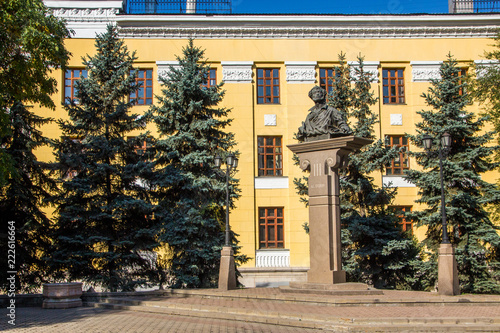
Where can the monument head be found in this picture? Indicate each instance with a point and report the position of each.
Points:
(323, 121)
(317, 94)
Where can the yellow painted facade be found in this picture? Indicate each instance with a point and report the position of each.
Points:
(308, 43)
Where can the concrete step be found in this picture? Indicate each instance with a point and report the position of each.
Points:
(255, 311)
(277, 295)
(318, 290)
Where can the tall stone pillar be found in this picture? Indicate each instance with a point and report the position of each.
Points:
(447, 271)
(324, 158)
(227, 273)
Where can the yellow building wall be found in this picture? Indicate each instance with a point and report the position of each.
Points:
(294, 104)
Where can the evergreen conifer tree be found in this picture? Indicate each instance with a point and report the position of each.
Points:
(32, 41)
(485, 87)
(25, 195)
(105, 229)
(467, 194)
(382, 254)
(374, 250)
(190, 191)
(32, 46)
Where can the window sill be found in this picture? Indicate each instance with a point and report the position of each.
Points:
(396, 181)
(272, 258)
(270, 182)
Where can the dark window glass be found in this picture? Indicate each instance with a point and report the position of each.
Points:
(71, 76)
(393, 86)
(405, 223)
(144, 94)
(400, 164)
(270, 157)
(271, 229)
(268, 86)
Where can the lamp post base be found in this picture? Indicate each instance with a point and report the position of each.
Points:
(447, 271)
(227, 273)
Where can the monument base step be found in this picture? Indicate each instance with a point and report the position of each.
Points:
(340, 289)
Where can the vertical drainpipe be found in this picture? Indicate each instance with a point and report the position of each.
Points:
(190, 6)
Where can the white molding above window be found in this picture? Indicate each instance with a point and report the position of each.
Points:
(368, 66)
(163, 67)
(483, 65)
(396, 181)
(424, 71)
(237, 71)
(300, 71)
(269, 183)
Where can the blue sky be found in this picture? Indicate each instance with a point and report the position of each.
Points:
(339, 7)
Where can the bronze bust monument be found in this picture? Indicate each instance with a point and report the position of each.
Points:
(323, 120)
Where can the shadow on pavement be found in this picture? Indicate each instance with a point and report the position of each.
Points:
(37, 317)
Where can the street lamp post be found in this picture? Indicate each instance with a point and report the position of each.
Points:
(447, 264)
(445, 144)
(227, 274)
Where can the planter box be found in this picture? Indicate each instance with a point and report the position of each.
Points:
(62, 295)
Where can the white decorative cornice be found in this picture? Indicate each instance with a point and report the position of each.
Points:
(300, 71)
(237, 71)
(424, 71)
(84, 15)
(305, 32)
(163, 67)
(83, 4)
(86, 18)
(368, 66)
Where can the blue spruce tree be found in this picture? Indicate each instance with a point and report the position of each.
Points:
(190, 192)
(467, 194)
(376, 250)
(105, 231)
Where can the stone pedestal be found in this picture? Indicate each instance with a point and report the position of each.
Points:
(447, 271)
(324, 158)
(227, 273)
(62, 295)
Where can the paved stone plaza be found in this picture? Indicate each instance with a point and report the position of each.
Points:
(267, 310)
(95, 320)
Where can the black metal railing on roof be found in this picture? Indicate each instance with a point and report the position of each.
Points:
(178, 6)
(475, 6)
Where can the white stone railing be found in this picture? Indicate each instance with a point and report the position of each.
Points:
(272, 258)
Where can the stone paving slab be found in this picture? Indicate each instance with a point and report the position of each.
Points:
(94, 320)
(267, 310)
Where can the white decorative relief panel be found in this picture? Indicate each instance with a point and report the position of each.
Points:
(368, 66)
(300, 71)
(237, 71)
(164, 67)
(270, 120)
(483, 65)
(396, 119)
(272, 258)
(424, 71)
